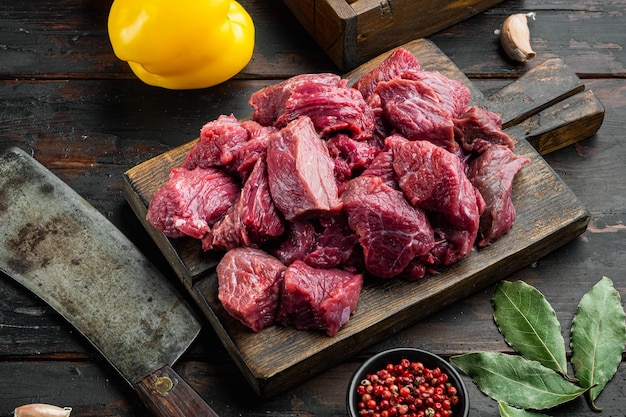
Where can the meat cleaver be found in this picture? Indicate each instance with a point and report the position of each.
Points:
(63, 250)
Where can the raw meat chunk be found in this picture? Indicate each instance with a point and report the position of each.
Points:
(478, 128)
(391, 231)
(253, 220)
(399, 61)
(355, 155)
(414, 110)
(434, 179)
(300, 171)
(246, 155)
(322, 299)
(331, 108)
(191, 201)
(249, 284)
(334, 246)
(492, 173)
(299, 242)
(269, 102)
(218, 140)
(452, 94)
(382, 165)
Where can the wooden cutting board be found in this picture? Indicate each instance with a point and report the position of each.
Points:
(546, 109)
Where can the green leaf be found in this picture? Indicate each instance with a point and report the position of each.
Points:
(597, 339)
(516, 380)
(508, 411)
(529, 324)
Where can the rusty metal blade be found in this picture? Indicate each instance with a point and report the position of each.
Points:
(62, 249)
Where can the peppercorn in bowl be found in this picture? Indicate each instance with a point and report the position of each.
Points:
(407, 382)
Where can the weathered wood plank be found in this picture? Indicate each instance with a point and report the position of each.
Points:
(91, 390)
(586, 35)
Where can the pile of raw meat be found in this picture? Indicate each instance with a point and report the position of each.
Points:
(395, 176)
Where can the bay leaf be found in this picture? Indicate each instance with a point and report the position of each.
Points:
(517, 381)
(598, 336)
(529, 324)
(508, 411)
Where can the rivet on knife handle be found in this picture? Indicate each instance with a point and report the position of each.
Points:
(167, 395)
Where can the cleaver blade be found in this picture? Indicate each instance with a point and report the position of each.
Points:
(68, 254)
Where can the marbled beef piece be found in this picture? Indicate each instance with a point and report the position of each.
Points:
(400, 60)
(300, 171)
(249, 285)
(382, 165)
(477, 129)
(351, 156)
(246, 156)
(391, 231)
(191, 201)
(414, 110)
(382, 127)
(269, 102)
(318, 299)
(492, 173)
(226, 234)
(453, 95)
(331, 108)
(335, 245)
(252, 221)
(451, 242)
(218, 140)
(435, 180)
(299, 242)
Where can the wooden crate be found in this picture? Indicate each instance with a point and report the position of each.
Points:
(353, 31)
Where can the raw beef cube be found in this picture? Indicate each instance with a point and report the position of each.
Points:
(382, 165)
(300, 171)
(249, 284)
(451, 242)
(253, 220)
(269, 102)
(226, 234)
(331, 108)
(320, 299)
(453, 95)
(492, 173)
(258, 215)
(399, 61)
(391, 231)
(434, 179)
(246, 155)
(191, 201)
(218, 140)
(299, 242)
(357, 154)
(382, 127)
(478, 128)
(334, 246)
(414, 110)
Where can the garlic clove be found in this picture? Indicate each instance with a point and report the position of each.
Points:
(41, 410)
(515, 37)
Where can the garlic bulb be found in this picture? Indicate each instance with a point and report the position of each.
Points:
(41, 410)
(515, 37)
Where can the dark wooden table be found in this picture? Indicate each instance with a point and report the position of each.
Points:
(67, 100)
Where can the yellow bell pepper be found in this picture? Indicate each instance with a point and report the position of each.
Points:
(182, 44)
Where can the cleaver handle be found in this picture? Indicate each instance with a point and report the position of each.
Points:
(166, 394)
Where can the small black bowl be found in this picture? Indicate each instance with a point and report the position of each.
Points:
(430, 360)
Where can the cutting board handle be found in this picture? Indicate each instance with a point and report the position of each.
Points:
(166, 394)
